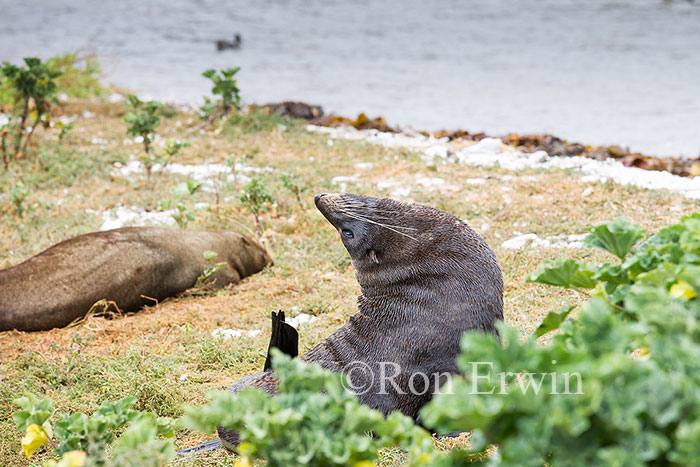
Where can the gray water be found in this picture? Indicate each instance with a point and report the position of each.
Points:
(601, 72)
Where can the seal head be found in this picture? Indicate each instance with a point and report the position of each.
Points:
(417, 251)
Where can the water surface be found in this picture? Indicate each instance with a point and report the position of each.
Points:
(603, 72)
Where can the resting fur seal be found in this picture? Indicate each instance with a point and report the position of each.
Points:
(61, 284)
(426, 278)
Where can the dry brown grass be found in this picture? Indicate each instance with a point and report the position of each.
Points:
(165, 355)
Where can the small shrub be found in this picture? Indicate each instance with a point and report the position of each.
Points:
(255, 196)
(313, 420)
(625, 386)
(226, 87)
(33, 91)
(88, 438)
(143, 121)
(292, 183)
(18, 195)
(79, 75)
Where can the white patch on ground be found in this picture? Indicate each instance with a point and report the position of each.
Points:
(399, 188)
(378, 137)
(301, 318)
(364, 165)
(206, 174)
(491, 151)
(122, 215)
(115, 98)
(533, 241)
(475, 181)
(344, 179)
(230, 333)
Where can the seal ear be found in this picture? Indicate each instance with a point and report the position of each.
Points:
(373, 256)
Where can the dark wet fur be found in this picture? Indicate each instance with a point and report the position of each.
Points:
(426, 278)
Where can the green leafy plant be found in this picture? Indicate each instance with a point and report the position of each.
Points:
(63, 129)
(292, 183)
(79, 75)
(143, 121)
(313, 420)
(94, 434)
(33, 90)
(18, 195)
(184, 213)
(173, 147)
(209, 270)
(617, 386)
(226, 87)
(254, 197)
(617, 237)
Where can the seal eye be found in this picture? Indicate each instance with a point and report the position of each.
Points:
(348, 233)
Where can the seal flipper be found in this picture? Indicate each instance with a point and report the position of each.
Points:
(283, 337)
(203, 447)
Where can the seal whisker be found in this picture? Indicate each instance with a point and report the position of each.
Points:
(363, 218)
(381, 225)
(368, 213)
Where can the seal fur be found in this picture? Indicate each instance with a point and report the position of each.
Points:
(426, 278)
(130, 266)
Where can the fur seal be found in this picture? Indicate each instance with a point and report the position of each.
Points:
(294, 109)
(426, 278)
(61, 284)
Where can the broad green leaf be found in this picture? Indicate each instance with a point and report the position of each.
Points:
(180, 190)
(553, 320)
(617, 237)
(564, 273)
(209, 255)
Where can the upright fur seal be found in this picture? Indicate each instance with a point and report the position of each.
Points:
(426, 278)
(130, 266)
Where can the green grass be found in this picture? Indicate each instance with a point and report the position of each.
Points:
(165, 355)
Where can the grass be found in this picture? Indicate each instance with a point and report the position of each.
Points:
(165, 355)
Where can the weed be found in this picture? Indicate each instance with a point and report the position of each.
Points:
(209, 270)
(292, 183)
(255, 197)
(229, 95)
(33, 87)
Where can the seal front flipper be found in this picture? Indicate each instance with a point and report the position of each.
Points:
(283, 337)
(203, 447)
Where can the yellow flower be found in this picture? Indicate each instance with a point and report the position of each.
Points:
(244, 462)
(73, 459)
(364, 464)
(34, 439)
(682, 289)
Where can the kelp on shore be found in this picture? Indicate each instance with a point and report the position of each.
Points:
(553, 145)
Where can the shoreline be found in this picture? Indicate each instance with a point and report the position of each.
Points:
(527, 143)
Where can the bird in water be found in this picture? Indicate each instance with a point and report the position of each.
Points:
(223, 44)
